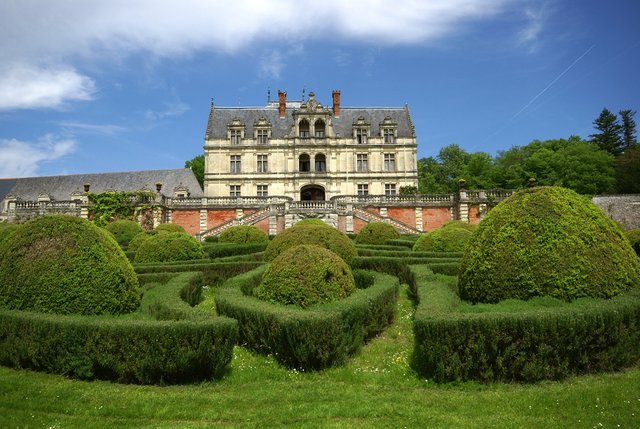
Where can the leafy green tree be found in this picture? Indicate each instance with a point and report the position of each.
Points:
(628, 171)
(197, 166)
(479, 171)
(629, 134)
(408, 190)
(609, 137)
(431, 177)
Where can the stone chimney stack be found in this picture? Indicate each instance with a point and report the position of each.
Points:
(336, 103)
(282, 103)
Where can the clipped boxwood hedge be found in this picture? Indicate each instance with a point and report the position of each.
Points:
(223, 250)
(537, 344)
(66, 265)
(214, 272)
(243, 234)
(122, 349)
(124, 230)
(169, 246)
(169, 227)
(377, 233)
(633, 236)
(451, 238)
(324, 236)
(315, 338)
(6, 229)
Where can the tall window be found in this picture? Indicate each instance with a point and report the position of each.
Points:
(321, 163)
(262, 164)
(363, 190)
(236, 136)
(263, 190)
(319, 128)
(234, 164)
(304, 163)
(388, 135)
(389, 162)
(361, 135)
(262, 136)
(389, 189)
(234, 190)
(361, 162)
(304, 128)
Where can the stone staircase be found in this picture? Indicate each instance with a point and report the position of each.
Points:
(374, 217)
(250, 219)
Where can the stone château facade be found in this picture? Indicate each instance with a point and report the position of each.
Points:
(307, 152)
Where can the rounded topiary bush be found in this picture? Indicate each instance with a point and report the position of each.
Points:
(547, 241)
(169, 227)
(169, 246)
(305, 275)
(312, 221)
(66, 265)
(124, 230)
(376, 233)
(243, 234)
(633, 235)
(459, 224)
(136, 241)
(6, 229)
(448, 238)
(321, 235)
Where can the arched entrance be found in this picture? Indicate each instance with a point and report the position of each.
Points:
(312, 193)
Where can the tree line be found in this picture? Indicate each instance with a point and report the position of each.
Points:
(609, 162)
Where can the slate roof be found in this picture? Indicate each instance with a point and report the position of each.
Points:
(60, 188)
(220, 117)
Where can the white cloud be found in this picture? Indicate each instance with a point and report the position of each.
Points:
(171, 109)
(271, 64)
(24, 86)
(81, 127)
(536, 19)
(22, 159)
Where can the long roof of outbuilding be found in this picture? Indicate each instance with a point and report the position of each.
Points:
(221, 117)
(60, 188)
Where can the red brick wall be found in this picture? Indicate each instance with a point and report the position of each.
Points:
(263, 225)
(216, 217)
(358, 224)
(473, 214)
(188, 219)
(342, 223)
(280, 224)
(405, 215)
(434, 217)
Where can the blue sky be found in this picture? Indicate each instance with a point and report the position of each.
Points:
(119, 85)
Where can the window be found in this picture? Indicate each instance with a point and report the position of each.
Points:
(319, 128)
(263, 190)
(389, 135)
(234, 165)
(234, 190)
(361, 162)
(389, 189)
(321, 162)
(363, 190)
(361, 135)
(389, 162)
(304, 163)
(262, 164)
(303, 126)
(236, 136)
(262, 136)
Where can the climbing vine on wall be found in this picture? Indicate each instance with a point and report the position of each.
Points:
(110, 206)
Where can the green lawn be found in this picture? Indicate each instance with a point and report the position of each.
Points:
(376, 389)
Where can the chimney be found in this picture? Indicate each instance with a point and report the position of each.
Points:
(282, 103)
(336, 103)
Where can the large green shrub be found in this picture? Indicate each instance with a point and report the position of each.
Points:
(169, 227)
(66, 265)
(376, 233)
(169, 246)
(305, 275)
(324, 236)
(6, 229)
(633, 236)
(448, 238)
(547, 241)
(124, 230)
(138, 239)
(312, 221)
(243, 234)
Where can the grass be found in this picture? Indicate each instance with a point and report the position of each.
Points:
(375, 389)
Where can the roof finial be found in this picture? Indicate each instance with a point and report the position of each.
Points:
(211, 101)
(303, 91)
(268, 95)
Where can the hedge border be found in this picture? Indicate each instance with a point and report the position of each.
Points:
(541, 344)
(120, 348)
(221, 249)
(312, 339)
(215, 273)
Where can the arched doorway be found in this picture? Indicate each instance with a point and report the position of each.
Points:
(312, 193)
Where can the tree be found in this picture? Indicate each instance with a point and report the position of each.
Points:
(197, 166)
(628, 171)
(609, 138)
(629, 138)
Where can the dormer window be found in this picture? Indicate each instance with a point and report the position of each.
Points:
(361, 136)
(262, 136)
(303, 128)
(319, 128)
(262, 128)
(388, 135)
(181, 191)
(235, 131)
(388, 130)
(361, 130)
